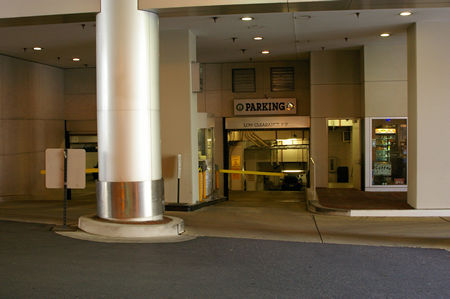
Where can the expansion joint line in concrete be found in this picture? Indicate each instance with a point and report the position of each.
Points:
(317, 228)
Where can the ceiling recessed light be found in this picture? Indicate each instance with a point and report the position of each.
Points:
(265, 52)
(37, 48)
(76, 59)
(258, 38)
(385, 34)
(246, 18)
(405, 13)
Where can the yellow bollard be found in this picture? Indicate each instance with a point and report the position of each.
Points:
(200, 188)
(204, 184)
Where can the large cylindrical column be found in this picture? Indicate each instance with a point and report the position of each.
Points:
(130, 186)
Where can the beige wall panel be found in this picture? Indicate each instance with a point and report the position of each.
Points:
(14, 174)
(356, 155)
(412, 115)
(31, 99)
(19, 138)
(428, 110)
(336, 101)
(227, 104)
(48, 134)
(386, 60)
(319, 149)
(50, 101)
(213, 102)
(37, 183)
(80, 106)
(335, 67)
(17, 94)
(88, 126)
(201, 104)
(80, 81)
(388, 98)
(149, 4)
(178, 126)
(213, 80)
(25, 8)
(304, 101)
(2, 76)
(2, 136)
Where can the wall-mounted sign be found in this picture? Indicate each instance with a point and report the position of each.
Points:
(265, 106)
(235, 165)
(385, 131)
(273, 122)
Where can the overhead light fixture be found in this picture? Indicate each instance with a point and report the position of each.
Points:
(76, 59)
(265, 52)
(258, 38)
(385, 34)
(246, 18)
(293, 171)
(37, 48)
(405, 13)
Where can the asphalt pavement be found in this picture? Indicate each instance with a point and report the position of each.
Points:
(37, 263)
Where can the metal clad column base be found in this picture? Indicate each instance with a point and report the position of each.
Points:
(130, 201)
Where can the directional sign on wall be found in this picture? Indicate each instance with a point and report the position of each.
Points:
(265, 106)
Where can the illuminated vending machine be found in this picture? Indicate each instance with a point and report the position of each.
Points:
(387, 156)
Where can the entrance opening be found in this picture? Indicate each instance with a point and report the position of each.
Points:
(344, 153)
(281, 151)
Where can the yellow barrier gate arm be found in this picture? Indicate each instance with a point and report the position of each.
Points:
(280, 174)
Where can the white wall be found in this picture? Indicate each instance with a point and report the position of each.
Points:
(428, 109)
(385, 77)
(178, 115)
(31, 120)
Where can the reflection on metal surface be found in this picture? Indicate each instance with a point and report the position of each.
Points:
(130, 201)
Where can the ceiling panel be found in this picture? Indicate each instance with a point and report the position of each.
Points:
(288, 35)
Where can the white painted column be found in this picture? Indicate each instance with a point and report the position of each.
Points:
(428, 111)
(130, 186)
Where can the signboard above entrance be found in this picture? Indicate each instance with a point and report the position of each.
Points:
(274, 122)
(265, 106)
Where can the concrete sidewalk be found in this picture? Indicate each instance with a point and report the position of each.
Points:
(263, 215)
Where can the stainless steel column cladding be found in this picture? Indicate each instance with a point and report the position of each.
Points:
(119, 201)
(129, 150)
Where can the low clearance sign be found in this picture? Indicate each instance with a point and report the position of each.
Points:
(265, 106)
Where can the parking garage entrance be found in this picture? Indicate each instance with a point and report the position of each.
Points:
(269, 144)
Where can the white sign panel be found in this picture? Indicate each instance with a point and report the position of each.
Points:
(265, 106)
(274, 122)
(54, 168)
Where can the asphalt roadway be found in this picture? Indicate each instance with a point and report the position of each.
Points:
(37, 263)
